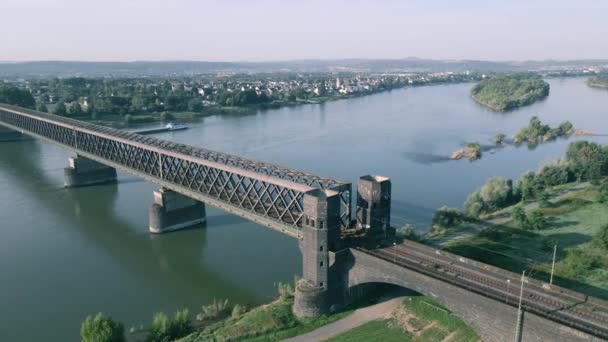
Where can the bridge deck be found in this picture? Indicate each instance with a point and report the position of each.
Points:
(268, 194)
(561, 305)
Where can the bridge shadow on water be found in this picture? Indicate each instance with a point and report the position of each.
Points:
(171, 261)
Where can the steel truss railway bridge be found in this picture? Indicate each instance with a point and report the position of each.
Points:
(317, 211)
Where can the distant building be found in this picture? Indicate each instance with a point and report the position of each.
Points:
(338, 83)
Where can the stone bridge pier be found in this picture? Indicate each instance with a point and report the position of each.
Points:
(83, 171)
(173, 211)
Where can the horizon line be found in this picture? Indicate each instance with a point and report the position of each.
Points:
(300, 60)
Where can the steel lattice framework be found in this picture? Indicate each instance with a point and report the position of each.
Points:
(265, 193)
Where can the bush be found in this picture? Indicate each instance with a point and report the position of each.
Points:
(165, 116)
(496, 193)
(576, 263)
(602, 196)
(285, 291)
(519, 217)
(529, 186)
(565, 127)
(601, 238)
(543, 200)
(102, 329)
(215, 310)
(533, 221)
(474, 205)
(408, 232)
(237, 311)
(448, 217)
(164, 329)
(536, 220)
(499, 139)
(474, 150)
(555, 173)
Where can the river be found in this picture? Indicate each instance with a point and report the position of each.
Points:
(65, 254)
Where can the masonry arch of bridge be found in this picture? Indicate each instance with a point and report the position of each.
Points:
(491, 319)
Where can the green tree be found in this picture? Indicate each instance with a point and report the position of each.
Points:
(537, 220)
(17, 97)
(519, 217)
(60, 109)
(500, 139)
(195, 105)
(566, 127)
(529, 186)
(448, 217)
(588, 160)
(41, 107)
(603, 192)
(555, 173)
(101, 329)
(543, 199)
(496, 193)
(75, 109)
(160, 328)
(474, 205)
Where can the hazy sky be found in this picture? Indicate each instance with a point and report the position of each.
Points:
(255, 30)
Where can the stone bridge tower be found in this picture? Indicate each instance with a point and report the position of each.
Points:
(320, 235)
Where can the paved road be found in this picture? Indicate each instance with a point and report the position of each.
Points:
(357, 318)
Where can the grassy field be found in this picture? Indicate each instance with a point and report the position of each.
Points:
(573, 219)
(381, 330)
(418, 319)
(271, 322)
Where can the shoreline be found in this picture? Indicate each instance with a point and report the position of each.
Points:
(115, 120)
(508, 109)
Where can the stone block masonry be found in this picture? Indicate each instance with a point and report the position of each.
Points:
(82, 172)
(173, 211)
(493, 320)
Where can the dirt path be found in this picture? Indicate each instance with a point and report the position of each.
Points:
(357, 318)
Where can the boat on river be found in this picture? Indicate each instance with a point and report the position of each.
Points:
(174, 127)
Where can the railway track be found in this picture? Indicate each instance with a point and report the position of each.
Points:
(565, 310)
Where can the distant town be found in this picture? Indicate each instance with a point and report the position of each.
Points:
(148, 98)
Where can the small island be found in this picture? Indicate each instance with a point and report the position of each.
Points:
(598, 82)
(537, 132)
(471, 151)
(505, 93)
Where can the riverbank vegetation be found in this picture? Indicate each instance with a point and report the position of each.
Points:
(17, 97)
(537, 132)
(585, 161)
(417, 319)
(534, 134)
(504, 93)
(220, 321)
(518, 238)
(147, 99)
(598, 81)
(515, 225)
